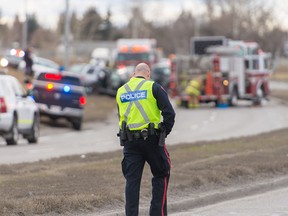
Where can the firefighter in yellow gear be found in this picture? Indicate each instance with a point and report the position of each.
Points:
(193, 89)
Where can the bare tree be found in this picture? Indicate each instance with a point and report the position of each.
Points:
(89, 25)
(3, 31)
(44, 39)
(138, 26)
(16, 31)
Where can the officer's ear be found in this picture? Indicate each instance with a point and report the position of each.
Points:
(148, 74)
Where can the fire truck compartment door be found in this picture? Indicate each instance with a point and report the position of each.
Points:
(238, 68)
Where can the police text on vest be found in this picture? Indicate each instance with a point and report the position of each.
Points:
(133, 96)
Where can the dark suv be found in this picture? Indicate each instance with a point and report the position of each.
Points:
(60, 95)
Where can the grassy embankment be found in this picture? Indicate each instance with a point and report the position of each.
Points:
(94, 182)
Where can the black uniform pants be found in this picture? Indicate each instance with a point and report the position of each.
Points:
(136, 153)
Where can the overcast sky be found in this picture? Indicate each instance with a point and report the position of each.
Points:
(47, 11)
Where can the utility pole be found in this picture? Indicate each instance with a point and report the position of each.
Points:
(67, 35)
(25, 27)
(136, 13)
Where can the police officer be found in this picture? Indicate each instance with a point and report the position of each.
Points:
(141, 102)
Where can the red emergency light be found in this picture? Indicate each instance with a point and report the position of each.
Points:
(53, 76)
(134, 48)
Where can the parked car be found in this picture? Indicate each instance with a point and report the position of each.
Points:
(41, 65)
(119, 77)
(12, 57)
(89, 75)
(111, 80)
(161, 74)
(19, 114)
(60, 95)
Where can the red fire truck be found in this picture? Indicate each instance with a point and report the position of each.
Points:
(130, 52)
(232, 72)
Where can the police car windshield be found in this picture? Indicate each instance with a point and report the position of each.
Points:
(70, 80)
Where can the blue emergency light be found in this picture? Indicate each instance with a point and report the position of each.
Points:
(66, 88)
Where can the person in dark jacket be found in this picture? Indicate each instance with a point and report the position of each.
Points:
(145, 116)
(28, 63)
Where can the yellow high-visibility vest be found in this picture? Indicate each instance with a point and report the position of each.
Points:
(193, 88)
(137, 105)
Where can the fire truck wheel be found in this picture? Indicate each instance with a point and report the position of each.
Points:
(185, 104)
(233, 100)
(260, 96)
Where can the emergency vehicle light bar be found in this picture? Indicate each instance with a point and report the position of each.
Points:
(134, 48)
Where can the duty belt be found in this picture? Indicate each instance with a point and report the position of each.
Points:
(140, 134)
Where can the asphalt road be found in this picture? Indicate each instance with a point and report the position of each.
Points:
(207, 123)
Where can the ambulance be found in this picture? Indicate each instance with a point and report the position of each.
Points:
(131, 51)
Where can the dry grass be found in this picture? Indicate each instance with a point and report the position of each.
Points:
(76, 184)
(281, 94)
(280, 76)
(280, 72)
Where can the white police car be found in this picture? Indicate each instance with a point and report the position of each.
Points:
(18, 112)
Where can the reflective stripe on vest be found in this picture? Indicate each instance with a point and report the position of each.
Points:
(138, 105)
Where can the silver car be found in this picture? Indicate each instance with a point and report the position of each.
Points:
(40, 65)
(89, 75)
(19, 114)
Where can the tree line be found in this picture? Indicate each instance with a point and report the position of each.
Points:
(248, 20)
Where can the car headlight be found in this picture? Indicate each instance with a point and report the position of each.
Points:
(4, 62)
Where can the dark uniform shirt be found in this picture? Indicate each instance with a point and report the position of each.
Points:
(165, 106)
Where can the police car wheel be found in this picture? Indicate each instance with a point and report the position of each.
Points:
(33, 138)
(13, 134)
(76, 123)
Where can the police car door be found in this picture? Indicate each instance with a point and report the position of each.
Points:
(24, 106)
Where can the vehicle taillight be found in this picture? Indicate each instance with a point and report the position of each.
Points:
(3, 107)
(121, 66)
(29, 86)
(49, 86)
(82, 100)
